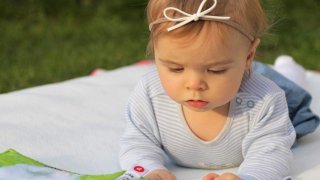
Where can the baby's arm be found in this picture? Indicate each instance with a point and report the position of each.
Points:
(267, 146)
(141, 144)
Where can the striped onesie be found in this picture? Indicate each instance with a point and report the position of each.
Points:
(257, 136)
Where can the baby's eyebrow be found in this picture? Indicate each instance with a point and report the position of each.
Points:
(221, 63)
(169, 62)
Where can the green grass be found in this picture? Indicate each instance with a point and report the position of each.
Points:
(295, 32)
(46, 41)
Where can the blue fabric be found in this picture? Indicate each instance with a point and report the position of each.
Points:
(298, 99)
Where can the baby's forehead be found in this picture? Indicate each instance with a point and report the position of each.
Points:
(201, 46)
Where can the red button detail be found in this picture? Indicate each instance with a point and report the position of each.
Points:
(138, 169)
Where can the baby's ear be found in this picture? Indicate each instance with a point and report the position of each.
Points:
(252, 52)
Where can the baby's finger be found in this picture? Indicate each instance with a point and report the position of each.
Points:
(210, 176)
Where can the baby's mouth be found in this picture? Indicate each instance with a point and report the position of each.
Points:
(197, 103)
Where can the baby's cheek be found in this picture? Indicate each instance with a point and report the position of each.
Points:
(168, 82)
(170, 89)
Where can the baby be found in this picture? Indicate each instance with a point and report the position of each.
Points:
(203, 106)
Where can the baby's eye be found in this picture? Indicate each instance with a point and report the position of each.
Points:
(176, 70)
(211, 71)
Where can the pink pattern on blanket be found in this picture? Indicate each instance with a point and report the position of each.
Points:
(145, 62)
(98, 71)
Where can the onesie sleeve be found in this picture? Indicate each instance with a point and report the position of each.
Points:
(140, 143)
(267, 147)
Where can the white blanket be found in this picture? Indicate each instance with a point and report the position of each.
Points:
(75, 125)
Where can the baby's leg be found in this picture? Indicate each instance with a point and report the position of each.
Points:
(298, 99)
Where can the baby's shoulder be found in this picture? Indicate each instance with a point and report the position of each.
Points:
(259, 96)
(150, 83)
(260, 87)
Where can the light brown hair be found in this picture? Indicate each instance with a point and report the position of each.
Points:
(247, 13)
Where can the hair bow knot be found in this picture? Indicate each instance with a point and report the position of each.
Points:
(192, 17)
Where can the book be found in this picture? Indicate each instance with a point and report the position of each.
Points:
(16, 166)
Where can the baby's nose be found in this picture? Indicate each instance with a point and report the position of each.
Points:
(196, 83)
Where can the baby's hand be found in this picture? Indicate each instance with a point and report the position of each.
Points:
(225, 176)
(160, 174)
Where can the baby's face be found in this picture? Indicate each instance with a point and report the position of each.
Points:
(202, 74)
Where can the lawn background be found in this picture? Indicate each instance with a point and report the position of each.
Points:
(46, 41)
